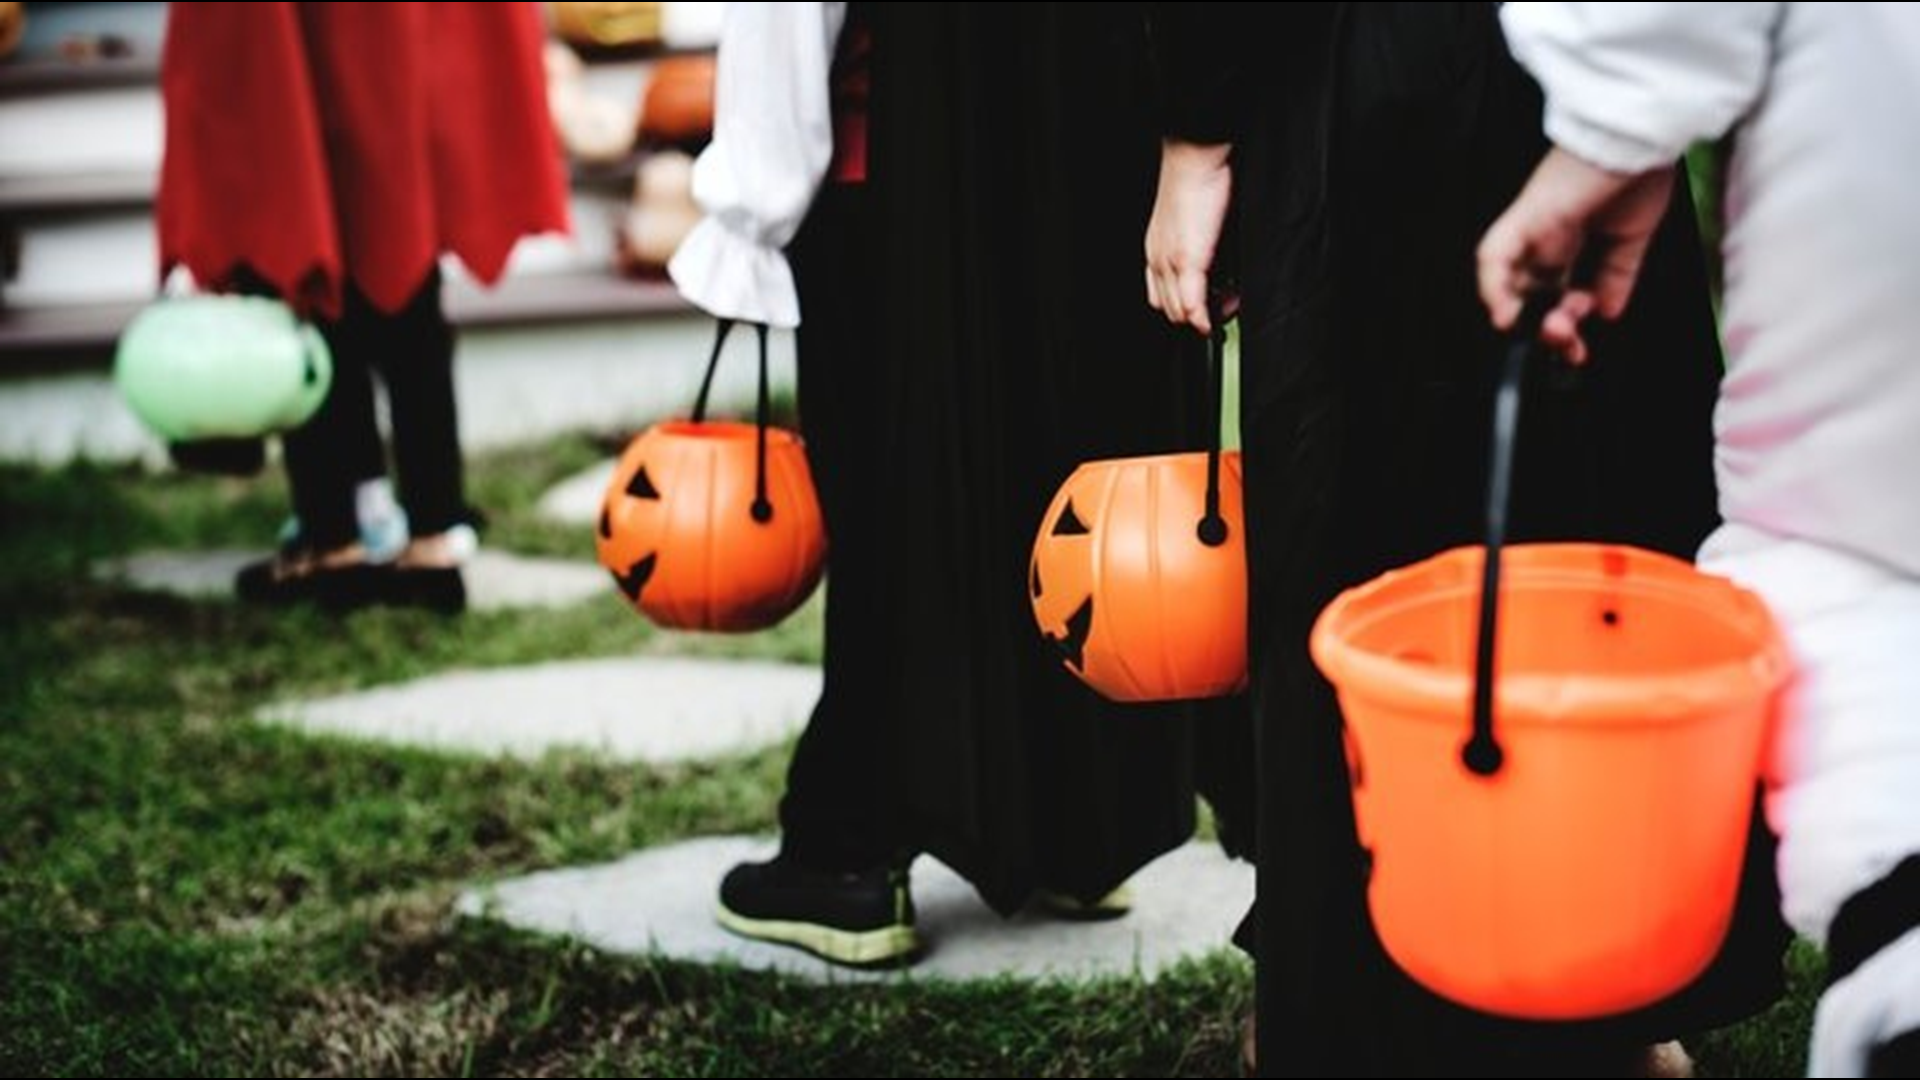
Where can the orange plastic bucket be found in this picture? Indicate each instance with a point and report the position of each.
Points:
(1135, 600)
(714, 524)
(1139, 572)
(1594, 871)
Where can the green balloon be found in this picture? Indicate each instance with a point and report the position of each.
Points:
(202, 367)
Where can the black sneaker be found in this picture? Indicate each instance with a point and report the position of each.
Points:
(861, 919)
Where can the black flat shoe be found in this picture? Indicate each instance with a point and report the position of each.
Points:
(441, 589)
(298, 577)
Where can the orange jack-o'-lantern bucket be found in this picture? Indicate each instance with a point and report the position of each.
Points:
(1139, 573)
(711, 524)
(1582, 858)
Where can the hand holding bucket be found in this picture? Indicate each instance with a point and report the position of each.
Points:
(1139, 571)
(1572, 850)
(714, 524)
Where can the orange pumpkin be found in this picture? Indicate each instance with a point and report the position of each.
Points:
(689, 541)
(677, 108)
(1143, 600)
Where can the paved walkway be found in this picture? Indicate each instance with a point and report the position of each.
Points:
(660, 901)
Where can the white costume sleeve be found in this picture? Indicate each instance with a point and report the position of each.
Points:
(772, 143)
(1630, 85)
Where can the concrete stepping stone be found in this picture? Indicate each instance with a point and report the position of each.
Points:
(500, 579)
(654, 709)
(495, 579)
(203, 575)
(660, 902)
(576, 500)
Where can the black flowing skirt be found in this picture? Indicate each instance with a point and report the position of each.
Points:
(1012, 165)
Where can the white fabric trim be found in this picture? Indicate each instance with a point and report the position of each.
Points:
(772, 143)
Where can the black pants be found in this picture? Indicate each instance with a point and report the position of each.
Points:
(835, 813)
(340, 447)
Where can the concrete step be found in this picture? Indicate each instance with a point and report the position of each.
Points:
(82, 332)
(105, 258)
(31, 195)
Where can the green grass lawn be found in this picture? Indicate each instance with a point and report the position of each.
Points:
(185, 892)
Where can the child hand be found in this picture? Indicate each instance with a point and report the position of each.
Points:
(1571, 211)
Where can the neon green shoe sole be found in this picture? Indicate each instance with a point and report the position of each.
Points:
(1114, 905)
(855, 948)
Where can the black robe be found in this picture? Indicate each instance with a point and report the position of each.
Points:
(1012, 160)
(1374, 143)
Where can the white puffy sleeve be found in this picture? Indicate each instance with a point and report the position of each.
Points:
(1630, 85)
(772, 143)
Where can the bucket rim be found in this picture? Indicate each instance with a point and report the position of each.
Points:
(1615, 699)
(1175, 457)
(722, 431)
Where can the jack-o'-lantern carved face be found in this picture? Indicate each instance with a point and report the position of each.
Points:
(1139, 607)
(679, 531)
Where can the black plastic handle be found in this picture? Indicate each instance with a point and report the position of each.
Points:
(1481, 753)
(762, 509)
(722, 328)
(1212, 529)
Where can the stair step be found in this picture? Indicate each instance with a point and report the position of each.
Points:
(68, 335)
(517, 384)
(37, 194)
(39, 75)
(49, 137)
(80, 144)
(55, 193)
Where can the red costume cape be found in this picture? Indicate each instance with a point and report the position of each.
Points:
(323, 143)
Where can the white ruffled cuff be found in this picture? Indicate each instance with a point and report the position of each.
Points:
(732, 277)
